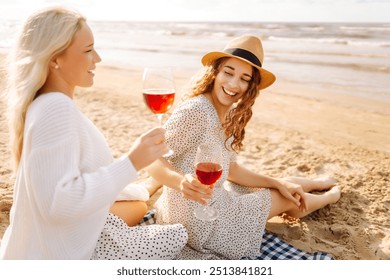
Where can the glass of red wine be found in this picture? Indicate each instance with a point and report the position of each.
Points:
(158, 90)
(208, 169)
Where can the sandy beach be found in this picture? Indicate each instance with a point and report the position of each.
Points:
(295, 131)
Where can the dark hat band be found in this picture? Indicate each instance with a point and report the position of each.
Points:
(244, 54)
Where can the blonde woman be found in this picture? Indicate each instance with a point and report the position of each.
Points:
(66, 177)
(217, 110)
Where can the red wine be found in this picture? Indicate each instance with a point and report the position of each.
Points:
(159, 101)
(208, 172)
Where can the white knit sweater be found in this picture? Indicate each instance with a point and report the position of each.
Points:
(65, 184)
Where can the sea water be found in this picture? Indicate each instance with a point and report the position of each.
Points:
(349, 58)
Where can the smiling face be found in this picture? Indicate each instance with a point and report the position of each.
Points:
(231, 83)
(75, 66)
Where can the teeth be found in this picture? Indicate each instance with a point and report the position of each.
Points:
(228, 92)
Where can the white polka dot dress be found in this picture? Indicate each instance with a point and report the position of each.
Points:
(242, 211)
(149, 242)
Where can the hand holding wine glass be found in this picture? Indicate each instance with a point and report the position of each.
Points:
(144, 150)
(158, 91)
(208, 169)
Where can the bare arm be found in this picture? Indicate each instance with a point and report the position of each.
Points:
(162, 171)
(245, 177)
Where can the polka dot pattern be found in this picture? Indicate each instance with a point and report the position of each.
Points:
(153, 242)
(243, 211)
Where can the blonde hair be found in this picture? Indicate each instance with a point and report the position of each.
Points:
(238, 117)
(45, 34)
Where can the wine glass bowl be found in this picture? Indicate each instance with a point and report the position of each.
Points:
(158, 90)
(208, 170)
(159, 101)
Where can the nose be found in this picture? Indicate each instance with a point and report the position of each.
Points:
(97, 58)
(234, 82)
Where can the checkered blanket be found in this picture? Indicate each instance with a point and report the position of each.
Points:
(273, 248)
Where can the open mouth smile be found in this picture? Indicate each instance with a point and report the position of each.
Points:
(230, 93)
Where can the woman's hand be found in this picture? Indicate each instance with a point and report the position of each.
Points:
(147, 148)
(294, 193)
(192, 189)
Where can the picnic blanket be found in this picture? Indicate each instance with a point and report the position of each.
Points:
(272, 247)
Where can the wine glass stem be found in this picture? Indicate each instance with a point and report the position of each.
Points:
(208, 205)
(159, 118)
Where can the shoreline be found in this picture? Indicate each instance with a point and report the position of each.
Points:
(368, 116)
(295, 131)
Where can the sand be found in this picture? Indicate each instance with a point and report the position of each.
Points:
(295, 131)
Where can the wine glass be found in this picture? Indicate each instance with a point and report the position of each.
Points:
(158, 90)
(208, 169)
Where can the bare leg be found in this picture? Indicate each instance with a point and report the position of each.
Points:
(309, 185)
(130, 211)
(314, 202)
(317, 201)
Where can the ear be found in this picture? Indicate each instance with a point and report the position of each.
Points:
(54, 64)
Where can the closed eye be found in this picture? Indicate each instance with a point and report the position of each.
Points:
(89, 48)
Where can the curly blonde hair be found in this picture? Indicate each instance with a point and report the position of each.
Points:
(238, 117)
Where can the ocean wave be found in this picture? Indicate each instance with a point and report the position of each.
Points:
(330, 40)
(154, 49)
(365, 67)
(385, 28)
(314, 53)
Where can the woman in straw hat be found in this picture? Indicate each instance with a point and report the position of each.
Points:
(217, 110)
(66, 177)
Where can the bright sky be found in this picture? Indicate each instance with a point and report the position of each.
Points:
(213, 10)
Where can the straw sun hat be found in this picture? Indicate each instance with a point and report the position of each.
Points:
(247, 48)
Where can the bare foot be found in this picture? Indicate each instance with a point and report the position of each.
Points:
(309, 185)
(334, 194)
(324, 183)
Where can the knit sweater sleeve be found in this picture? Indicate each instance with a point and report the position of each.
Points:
(60, 187)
